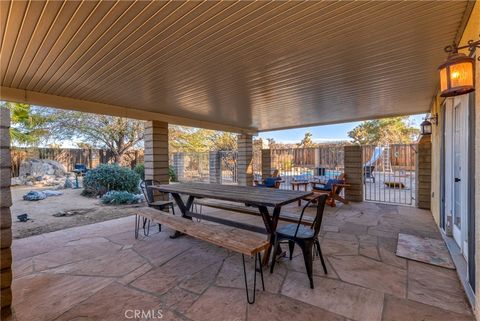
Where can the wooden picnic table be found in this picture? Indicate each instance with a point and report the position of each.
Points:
(259, 197)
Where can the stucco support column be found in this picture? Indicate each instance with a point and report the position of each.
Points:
(5, 216)
(156, 151)
(424, 172)
(215, 167)
(266, 163)
(353, 170)
(245, 160)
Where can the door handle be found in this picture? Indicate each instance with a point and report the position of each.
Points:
(457, 179)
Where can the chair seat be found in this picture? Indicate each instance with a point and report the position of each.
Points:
(323, 189)
(288, 231)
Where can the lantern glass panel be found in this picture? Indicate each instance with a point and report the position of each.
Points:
(443, 79)
(461, 74)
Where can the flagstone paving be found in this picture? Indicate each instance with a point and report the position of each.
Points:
(100, 272)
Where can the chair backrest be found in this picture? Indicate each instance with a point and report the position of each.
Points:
(148, 192)
(275, 173)
(317, 222)
(80, 167)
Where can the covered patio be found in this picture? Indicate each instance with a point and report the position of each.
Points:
(243, 67)
(100, 271)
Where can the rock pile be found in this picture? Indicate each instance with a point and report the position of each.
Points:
(43, 172)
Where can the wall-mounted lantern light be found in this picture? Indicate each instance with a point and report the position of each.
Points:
(426, 125)
(457, 74)
(425, 128)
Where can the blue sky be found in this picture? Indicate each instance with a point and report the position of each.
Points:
(321, 133)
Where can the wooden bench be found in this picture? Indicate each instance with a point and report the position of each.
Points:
(230, 238)
(237, 207)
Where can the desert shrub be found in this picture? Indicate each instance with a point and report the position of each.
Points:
(140, 170)
(121, 197)
(110, 177)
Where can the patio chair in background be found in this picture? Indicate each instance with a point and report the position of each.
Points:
(80, 169)
(150, 199)
(303, 236)
(332, 188)
(273, 181)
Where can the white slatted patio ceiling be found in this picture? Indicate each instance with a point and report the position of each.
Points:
(239, 66)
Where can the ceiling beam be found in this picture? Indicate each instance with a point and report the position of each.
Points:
(46, 100)
(350, 120)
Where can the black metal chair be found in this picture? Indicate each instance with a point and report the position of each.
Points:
(150, 199)
(305, 237)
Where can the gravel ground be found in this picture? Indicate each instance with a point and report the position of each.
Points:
(61, 212)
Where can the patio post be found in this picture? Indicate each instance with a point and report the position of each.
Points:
(245, 159)
(354, 172)
(215, 167)
(5, 215)
(156, 151)
(179, 165)
(424, 172)
(266, 163)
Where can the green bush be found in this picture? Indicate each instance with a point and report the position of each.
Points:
(140, 170)
(172, 175)
(121, 197)
(110, 177)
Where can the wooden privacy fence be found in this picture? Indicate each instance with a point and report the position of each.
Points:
(68, 157)
(401, 156)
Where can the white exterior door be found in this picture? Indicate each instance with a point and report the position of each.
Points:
(456, 169)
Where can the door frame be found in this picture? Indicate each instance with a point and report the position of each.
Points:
(471, 189)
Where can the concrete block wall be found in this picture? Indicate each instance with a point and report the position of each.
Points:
(179, 165)
(5, 216)
(245, 159)
(424, 173)
(266, 163)
(354, 173)
(215, 167)
(156, 151)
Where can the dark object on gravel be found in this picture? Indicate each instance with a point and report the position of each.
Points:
(23, 217)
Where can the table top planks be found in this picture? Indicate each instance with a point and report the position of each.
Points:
(259, 196)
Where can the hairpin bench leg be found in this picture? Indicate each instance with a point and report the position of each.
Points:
(258, 259)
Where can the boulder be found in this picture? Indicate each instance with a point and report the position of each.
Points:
(41, 167)
(16, 181)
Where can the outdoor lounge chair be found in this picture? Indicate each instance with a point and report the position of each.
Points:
(150, 199)
(80, 169)
(303, 236)
(273, 181)
(332, 188)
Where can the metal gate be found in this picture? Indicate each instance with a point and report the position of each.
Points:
(228, 166)
(389, 173)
